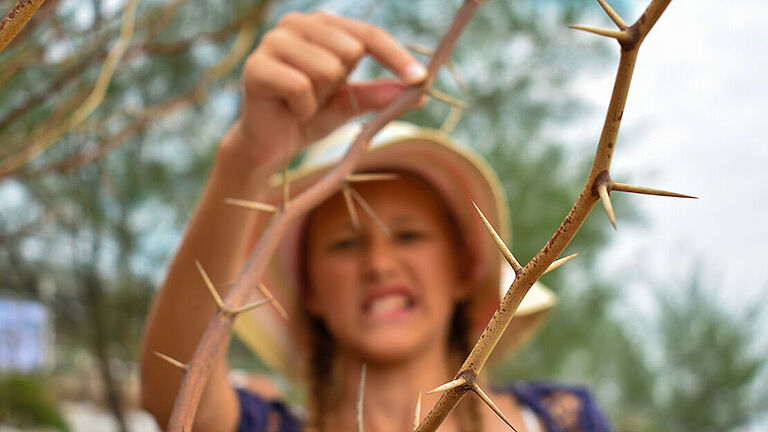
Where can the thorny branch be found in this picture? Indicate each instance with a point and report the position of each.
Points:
(196, 95)
(220, 326)
(94, 99)
(597, 187)
(597, 184)
(58, 122)
(16, 19)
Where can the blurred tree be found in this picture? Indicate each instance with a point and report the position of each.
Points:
(98, 188)
(26, 402)
(709, 368)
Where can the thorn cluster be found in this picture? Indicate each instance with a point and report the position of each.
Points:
(368, 177)
(559, 262)
(622, 35)
(220, 303)
(605, 197)
(470, 384)
(446, 98)
(448, 65)
(485, 398)
(458, 382)
(171, 360)
(269, 296)
(351, 195)
(417, 413)
(347, 192)
(647, 191)
(251, 205)
(605, 186)
(360, 393)
(369, 210)
(612, 14)
(286, 185)
(499, 242)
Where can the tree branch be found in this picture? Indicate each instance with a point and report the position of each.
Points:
(94, 99)
(220, 326)
(567, 229)
(16, 19)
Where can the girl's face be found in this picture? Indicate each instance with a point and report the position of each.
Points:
(385, 298)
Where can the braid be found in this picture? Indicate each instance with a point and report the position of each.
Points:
(319, 374)
(460, 344)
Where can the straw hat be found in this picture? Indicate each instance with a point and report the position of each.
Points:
(459, 174)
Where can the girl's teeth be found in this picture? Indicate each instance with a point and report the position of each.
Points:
(389, 303)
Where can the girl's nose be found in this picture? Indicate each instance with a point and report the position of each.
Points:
(380, 258)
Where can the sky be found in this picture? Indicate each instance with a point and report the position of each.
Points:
(698, 101)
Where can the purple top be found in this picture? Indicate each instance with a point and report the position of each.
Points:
(562, 408)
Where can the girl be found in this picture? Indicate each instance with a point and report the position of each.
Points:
(401, 281)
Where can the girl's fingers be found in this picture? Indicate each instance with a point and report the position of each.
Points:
(350, 100)
(305, 60)
(323, 67)
(345, 46)
(272, 78)
(382, 46)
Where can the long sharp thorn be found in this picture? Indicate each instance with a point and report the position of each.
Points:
(367, 177)
(618, 35)
(353, 101)
(647, 191)
(351, 207)
(478, 391)
(171, 360)
(458, 382)
(612, 14)
(360, 392)
(420, 49)
(450, 100)
(457, 77)
(559, 262)
(251, 306)
(211, 288)
(268, 294)
(450, 122)
(251, 205)
(417, 413)
(602, 190)
(499, 242)
(286, 185)
(372, 214)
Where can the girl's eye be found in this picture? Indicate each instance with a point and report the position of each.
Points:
(410, 235)
(345, 243)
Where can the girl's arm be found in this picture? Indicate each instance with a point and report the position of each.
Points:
(295, 92)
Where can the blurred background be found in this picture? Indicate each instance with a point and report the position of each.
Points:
(106, 137)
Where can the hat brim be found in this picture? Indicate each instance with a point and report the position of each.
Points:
(458, 173)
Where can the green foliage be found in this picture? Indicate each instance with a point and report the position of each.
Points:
(25, 402)
(709, 366)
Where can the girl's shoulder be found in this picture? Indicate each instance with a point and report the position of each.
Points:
(561, 407)
(258, 414)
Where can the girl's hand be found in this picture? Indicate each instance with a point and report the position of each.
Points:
(295, 88)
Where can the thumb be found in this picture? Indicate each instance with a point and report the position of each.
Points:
(350, 100)
(359, 98)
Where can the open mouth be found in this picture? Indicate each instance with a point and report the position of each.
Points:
(389, 303)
